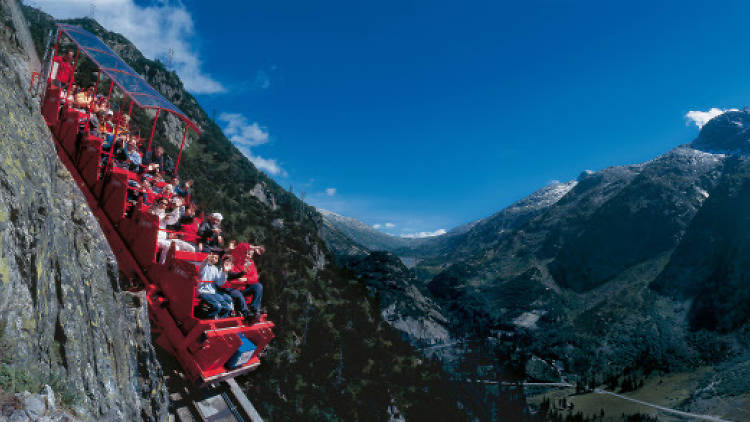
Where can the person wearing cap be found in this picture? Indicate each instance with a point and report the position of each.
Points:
(209, 235)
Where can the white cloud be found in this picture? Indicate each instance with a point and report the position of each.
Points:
(437, 232)
(331, 191)
(700, 118)
(157, 29)
(383, 226)
(241, 132)
(268, 164)
(245, 135)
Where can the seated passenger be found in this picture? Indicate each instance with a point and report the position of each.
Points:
(212, 278)
(188, 225)
(124, 124)
(248, 273)
(108, 130)
(157, 160)
(184, 189)
(209, 234)
(83, 99)
(94, 124)
(70, 93)
(164, 239)
(128, 157)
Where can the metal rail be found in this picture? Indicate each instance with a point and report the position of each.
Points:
(224, 402)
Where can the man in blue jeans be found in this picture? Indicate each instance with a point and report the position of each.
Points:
(211, 278)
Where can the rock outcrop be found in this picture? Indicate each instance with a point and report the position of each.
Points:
(63, 314)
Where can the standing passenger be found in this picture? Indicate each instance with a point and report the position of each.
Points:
(65, 71)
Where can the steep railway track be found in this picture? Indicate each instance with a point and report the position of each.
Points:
(223, 402)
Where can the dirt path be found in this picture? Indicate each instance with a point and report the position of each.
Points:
(662, 408)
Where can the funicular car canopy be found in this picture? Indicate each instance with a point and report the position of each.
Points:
(132, 84)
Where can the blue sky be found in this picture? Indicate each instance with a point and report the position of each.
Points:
(427, 115)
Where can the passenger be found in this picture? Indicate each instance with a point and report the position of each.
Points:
(94, 124)
(157, 160)
(184, 189)
(125, 123)
(128, 157)
(83, 99)
(166, 192)
(209, 234)
(71, 93)
(163, 238)
(188, 225)
(64, 71)
(174, 181)
(145, 192)
(213, 277)
(108, 130)
(246, 272)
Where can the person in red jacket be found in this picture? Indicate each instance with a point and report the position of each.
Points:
(65, 71)
(246, 272)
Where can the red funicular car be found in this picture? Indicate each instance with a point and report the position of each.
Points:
(208, 350)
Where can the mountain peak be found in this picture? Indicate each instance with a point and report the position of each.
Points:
(727, 133)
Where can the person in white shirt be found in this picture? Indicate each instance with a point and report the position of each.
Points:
(160, 210)
(213, 277)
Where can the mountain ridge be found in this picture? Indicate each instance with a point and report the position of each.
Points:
(634, 269)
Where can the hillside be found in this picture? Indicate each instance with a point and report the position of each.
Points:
(629, 271)
(637, 269)
(334, 357)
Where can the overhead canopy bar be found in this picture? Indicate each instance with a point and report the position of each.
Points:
(128, 80)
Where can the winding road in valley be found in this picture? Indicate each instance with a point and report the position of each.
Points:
(609, 393)
(662, 408)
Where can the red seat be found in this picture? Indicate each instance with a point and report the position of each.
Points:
(67, 132)
(89, 159)
(190, 256)
(114, 198)
(51, 106)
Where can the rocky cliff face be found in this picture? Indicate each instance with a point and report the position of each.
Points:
(402, 299)
(63, 318)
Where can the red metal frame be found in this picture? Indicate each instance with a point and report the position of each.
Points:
(202, 347)
(109, 94)
(182, 145)
(68, 28)
(153, 128)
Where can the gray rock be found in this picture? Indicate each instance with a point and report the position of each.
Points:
(49, 398)
(34, 407)
(7, 410)
(63, 314)
(18, 416)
